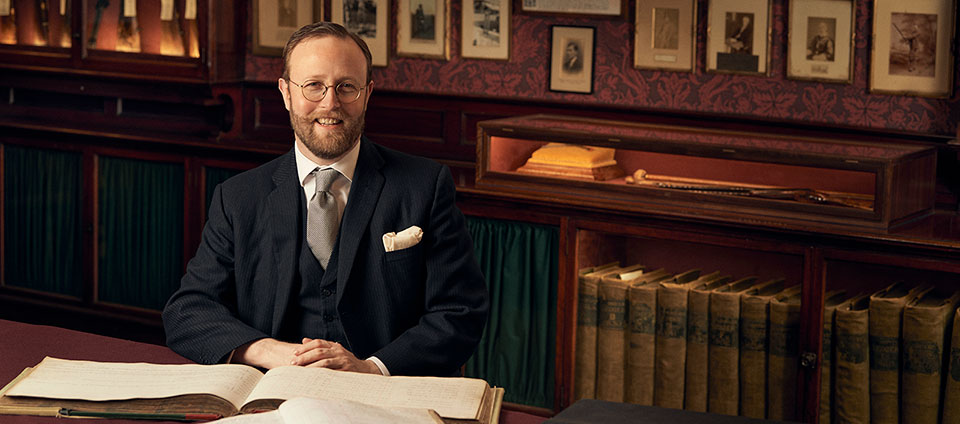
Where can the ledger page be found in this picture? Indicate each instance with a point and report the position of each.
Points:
(67, 379)
(458, 398)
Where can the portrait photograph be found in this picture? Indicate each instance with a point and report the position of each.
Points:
(737, 36)
(821, 40)
(486, 29)
(275, 21)
(571, 59)
(664, 35)
(422, 28)
(911, 50)
(368, 19)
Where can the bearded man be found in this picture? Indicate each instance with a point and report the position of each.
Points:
(341, 253)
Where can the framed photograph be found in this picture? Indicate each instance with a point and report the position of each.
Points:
(275, 21)
(577, 7)
(571, 58)
(738, 36)
(911, 47)
(665, 35)
(486, 29)
(820, 45)
(368, 19)
(422, 28)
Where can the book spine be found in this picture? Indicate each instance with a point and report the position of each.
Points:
(826, 366)
(671, 351)
(585, 377)
(951, 399)
(641, 355)
(852, 400)
(753, 356)
(924, 338)
(723, 371)
(885, 328)
(783, 359)
(611, 337)
(695, 377)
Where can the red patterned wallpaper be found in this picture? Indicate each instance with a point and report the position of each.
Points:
(617, 83)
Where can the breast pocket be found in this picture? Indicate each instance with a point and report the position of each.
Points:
(405, 265)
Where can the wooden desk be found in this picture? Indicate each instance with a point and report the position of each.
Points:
(25, 345)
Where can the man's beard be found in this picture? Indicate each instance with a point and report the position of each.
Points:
(335, 143)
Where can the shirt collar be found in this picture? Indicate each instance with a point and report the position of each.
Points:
(346, 165)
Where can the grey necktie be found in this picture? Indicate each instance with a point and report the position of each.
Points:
(322, 217)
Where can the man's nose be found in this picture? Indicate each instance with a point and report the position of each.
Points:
(330, 100)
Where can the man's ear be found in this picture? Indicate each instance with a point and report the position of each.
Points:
(284, 92)
(369, 93)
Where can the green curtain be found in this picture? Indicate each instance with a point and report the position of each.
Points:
(42, 220)
(141, 231)
(517, 352)
(216, 176)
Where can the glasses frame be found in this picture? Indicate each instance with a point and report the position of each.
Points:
(326, 88)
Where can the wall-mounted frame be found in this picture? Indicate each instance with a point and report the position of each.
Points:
(821, 34)
(368, 19)
(275, 20)
(665, 35)
(571, 58)
(738, 36)
(911, 47)
(422, 28)
(576, 7)
(485, 29)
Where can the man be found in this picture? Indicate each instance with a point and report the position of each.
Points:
(572, 62)
(821, 46)
(740, 39)
(265, 290)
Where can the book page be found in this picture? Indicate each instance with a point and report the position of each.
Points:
(450, 397)
(98, 381)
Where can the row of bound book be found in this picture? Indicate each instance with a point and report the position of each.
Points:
(707, 343)
(891, 356)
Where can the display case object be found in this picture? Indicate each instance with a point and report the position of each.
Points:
(761, 179)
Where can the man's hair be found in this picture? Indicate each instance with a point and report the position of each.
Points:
(320, 30)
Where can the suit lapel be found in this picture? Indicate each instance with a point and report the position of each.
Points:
(364, 194)
(282, 216)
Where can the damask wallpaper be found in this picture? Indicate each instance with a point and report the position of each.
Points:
(617, 83)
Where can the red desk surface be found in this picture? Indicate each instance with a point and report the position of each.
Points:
(25, 345)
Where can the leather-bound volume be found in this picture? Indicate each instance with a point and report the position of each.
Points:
(723, 372)
(832, 301)
(783, 355)
(926, 324)
(852, 398)
(886, 313)
(671, 351)
(641, 348)
(612, 334)
(698, 326)
(754, 318)
(585, 374)
(951, 398)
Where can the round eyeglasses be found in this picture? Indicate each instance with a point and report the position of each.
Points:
(347, 91)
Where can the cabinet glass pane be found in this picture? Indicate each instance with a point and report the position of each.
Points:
(141, 231)
(165, 27)
(35, 22)
(42, 220)
(518, 347)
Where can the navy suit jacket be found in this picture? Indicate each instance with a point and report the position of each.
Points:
(420, 310)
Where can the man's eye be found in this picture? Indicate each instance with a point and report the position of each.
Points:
(312, 85)
(348, 87)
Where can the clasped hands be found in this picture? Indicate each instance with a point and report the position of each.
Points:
(272, 353)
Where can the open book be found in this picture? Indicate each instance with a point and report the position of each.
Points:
(56, 385)
(327, 411)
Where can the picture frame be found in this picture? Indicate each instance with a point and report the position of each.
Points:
(665, 35)
(275, 21)
(485, 30)
(911, 50)
(821, 40)
(367, 19)
(738, 37)
(575, 7)
(422, 29)
(571, 58)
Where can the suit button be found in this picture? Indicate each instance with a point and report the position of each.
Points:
(326, 293)
(328, 317)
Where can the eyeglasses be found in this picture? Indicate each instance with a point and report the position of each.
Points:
(347, 91)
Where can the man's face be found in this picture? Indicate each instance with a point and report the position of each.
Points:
(571, 51)
(327, 128)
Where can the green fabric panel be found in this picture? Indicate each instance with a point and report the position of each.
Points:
(41, 192)
(141, 231)
(213, 177)
(518, 349)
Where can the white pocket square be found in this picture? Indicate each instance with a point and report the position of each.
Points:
(402, 240)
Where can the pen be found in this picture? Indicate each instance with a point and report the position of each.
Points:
(66, 412)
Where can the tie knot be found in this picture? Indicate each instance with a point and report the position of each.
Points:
(324, 178)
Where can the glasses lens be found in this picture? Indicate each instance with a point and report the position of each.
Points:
(348, 92)
(314, 91)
